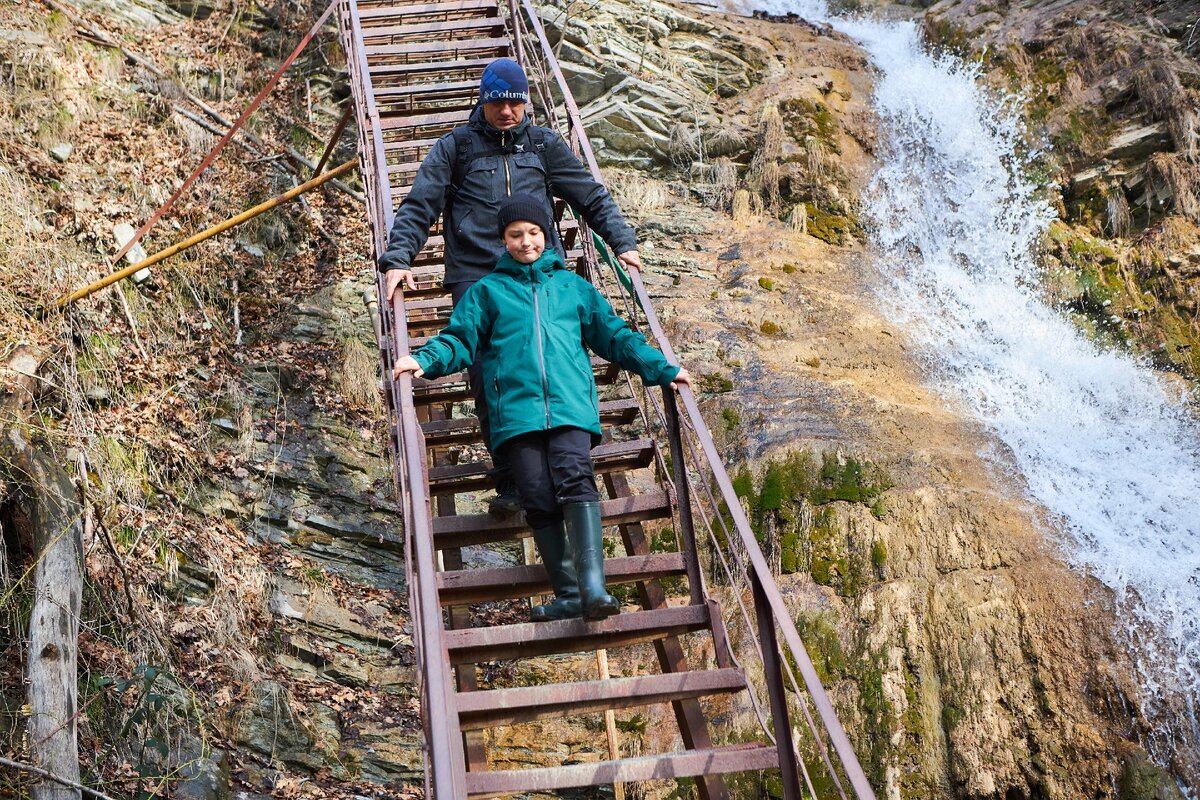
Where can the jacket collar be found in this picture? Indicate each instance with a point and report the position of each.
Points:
(479, 122)
(547, 262)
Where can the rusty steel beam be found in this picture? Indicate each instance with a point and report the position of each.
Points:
(204, 235)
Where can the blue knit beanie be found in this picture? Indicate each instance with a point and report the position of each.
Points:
(503, 79)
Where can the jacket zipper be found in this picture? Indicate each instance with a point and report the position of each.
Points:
(537, 328)
(504, 158)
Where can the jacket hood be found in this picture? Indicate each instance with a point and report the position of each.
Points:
(546, 263)
(478, 121)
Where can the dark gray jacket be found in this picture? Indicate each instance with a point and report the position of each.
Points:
(501, 163)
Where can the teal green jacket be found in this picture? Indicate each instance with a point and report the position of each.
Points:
(525, 324)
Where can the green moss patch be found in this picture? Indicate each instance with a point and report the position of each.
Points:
(828, 227)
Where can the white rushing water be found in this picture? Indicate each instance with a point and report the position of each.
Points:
(1096, 437)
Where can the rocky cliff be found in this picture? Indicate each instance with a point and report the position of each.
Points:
(246, 618)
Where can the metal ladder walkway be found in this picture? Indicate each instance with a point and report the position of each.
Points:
(414, 72)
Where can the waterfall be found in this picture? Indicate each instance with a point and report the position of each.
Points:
(1096, 437)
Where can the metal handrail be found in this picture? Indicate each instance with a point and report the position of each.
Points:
(773, 609)
(445, 768)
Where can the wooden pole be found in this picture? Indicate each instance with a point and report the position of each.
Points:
(274, 202)
(610, 724)
(51, 672)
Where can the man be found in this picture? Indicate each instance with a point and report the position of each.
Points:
(465, 177)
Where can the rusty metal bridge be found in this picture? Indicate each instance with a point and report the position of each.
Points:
(415, 69)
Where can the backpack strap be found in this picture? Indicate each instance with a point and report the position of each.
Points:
(537, 137)
(462, 158)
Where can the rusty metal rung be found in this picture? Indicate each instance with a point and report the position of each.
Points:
(463, 430)
(471, 477)
(465, 529)
(479, 585)
(533, 639)
(375, 17)
(432, 51)
(426, 29)
(431, 71)
(496, 707)
(443, 121)
(691, 763)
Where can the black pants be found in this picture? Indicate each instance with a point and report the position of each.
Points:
(550, 468)
(500, 468)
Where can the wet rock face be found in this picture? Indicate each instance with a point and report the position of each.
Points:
(1115, 88)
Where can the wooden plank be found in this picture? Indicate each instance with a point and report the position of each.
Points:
(495, 707)
(473, 476)
(433, 29)
(445, 69)
(477, 586)
(467, 529)
(533, 639)
(713, 761)
(400, 9)
(446, 119)
(435, 50)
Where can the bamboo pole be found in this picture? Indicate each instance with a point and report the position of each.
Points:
(274, 202)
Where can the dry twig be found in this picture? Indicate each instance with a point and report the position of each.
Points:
(50, 776)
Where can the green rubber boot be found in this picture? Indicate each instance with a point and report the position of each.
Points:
(552, 547)
(586, 534)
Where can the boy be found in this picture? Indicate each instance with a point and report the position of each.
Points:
(526, 322)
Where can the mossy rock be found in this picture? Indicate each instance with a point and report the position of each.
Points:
(714, 383)
(831, 228)
(803, 117)
(1143, 780)
(941, 32)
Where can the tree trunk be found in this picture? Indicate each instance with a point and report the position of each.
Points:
(55, 523)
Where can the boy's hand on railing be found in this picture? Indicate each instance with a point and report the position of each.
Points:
(394, 277)
(683, 378)
(408, 364)
(630, 260)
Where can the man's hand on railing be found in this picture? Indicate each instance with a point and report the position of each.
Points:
(630, 260)
(395, 276)
(684, 378)
(409, 364)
